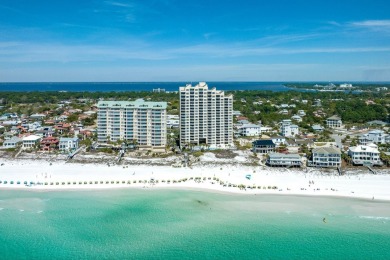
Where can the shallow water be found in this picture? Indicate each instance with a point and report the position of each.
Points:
(189, 224)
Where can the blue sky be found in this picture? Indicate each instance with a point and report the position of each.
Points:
(177, 40)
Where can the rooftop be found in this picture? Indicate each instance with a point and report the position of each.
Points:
(264, 142)
(31, 138)
(327, 150)
(132, 104)
(334, 118)
(282, 155)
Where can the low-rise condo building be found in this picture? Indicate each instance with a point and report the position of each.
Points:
(139, 122)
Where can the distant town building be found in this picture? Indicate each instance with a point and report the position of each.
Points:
(334, 122)
(236, 113)
(377, 123)
(301, 113)
(37, 116)
(249, 130)
(317, 102)
(296, 118)
(288, 129)
(326, 157)
(173, 121)
(278, 140)
(206, 116)
(346, 86)
(374, 136)
(381, 89)
(159, 90)
(135, 121)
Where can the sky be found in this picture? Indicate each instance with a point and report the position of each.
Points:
(186, 40)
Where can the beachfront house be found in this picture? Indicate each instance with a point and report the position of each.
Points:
(12, 142)
(31, 141)
(249, 130)
(49, 143)
(365, 155)
(284, 160)
(68, 144)
(325, 157)
(263, 146)
(334, 122)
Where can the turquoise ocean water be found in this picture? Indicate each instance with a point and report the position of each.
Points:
(178, 224)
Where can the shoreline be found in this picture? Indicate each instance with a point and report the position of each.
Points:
(232, 179)
(196, 189)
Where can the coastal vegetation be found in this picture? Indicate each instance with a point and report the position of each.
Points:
(254, 104)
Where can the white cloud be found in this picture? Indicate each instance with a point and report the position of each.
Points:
(118, 4)
(372, 23)
(132, 50)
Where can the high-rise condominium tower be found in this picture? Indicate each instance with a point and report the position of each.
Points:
(206, 116)
(139, 121)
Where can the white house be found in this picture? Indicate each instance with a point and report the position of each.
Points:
(346, 86)
(288, 129)
(236, 113)
(67, 144)
(278, 140)
(173, 121)
(317, 128)
(301, 113)
(334, 122)
(296, 118)
(249, 130)
(365, 155)
(283, 112)
(31, 141)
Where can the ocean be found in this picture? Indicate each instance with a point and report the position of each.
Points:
(180, 224)
(134, 86)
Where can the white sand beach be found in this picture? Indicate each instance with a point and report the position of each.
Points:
(45, 175)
